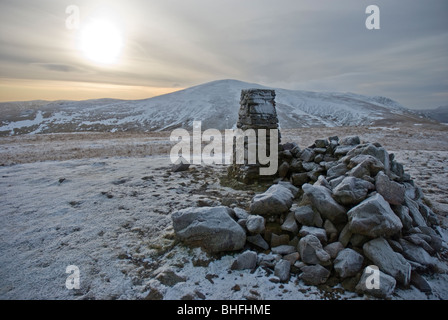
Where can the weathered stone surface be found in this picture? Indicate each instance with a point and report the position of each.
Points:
(241, 213)
(282, 270)
(283, 249)
(290, 223)
(363, 164)
(288, 185)
(348, 263)
(417, 254)
(257, 240)
(246, 260)
(352, 190)
(321, 199)
(414, 212)
(318, 232)
(314, 275)
(311, 251)
(276, 200)
(169, 278)
(278, 240)
(345, 235)
(333, 249)
(299, 179)
(304, 215)
(283, 169)
(307, 155)
(330, 229)
(391, 191)
(181, 165)
(383, 289)
(402, 213)
(255, 224)
(350, 140)
(338, 170)
(374, 218)
(390, 262)
(420, 283)
(211, 228)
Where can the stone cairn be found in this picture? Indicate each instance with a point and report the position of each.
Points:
(257, 111)
(336, 209)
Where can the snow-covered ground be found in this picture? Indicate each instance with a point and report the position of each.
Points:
(94, 205)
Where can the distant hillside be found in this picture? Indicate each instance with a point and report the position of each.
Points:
(439, 114)
(216, 104)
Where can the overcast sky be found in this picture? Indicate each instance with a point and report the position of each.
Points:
(320, 45)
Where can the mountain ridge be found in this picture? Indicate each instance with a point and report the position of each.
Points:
(215, 103)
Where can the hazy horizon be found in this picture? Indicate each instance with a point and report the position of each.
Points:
(137, 49)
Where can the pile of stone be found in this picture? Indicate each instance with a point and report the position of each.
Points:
(339, 211)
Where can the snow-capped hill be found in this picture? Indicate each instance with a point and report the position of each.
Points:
(215, 103)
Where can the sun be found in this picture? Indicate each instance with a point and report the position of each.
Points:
(101, 42)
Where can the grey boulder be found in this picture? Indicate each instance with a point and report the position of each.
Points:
(374, 218)
(211, 228)
(321, 198)
(275, 201)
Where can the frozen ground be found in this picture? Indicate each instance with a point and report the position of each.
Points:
(103, 202)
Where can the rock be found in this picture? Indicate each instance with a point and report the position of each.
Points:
(290, 223)
(420, 283)
(418, 240)
(154, 294)
(292, 257)
(278, 240)
(314, 275)
(318, 232)
(361, 165)
(374, 218)
(330, 229)
(417, 254)
(390, 262)
(275, 201)
(333, 249)
(348, 263)
(283, 169)
(268, 260)
(342, 150)
(246, 260)
(257, 240)
(391, 191)
(307, 155)
(181, 165)
(337, 170)
(240, 213)
(321, 143)
(345, 235)
(169, 278)
(376, 283)
(414, 212)
(352, 190)
(402, 213)
(211, 228)
(321, 199)
(282, 270)
(311, 251)
(255, 224)
(350, 141)
(290, 187)
(304, 215)
(299, 179)
(283, 249)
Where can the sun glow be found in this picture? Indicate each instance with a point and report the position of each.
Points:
(101, 42)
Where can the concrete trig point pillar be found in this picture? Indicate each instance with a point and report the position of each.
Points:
(257, 111)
